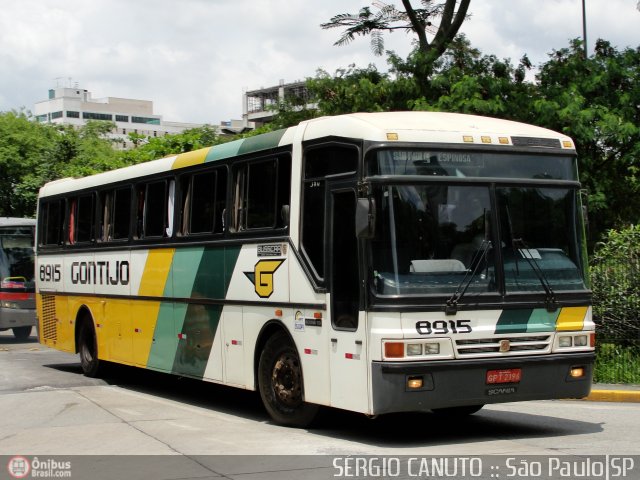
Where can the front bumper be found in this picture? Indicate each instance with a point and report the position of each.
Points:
(17, 317)
(463, 382)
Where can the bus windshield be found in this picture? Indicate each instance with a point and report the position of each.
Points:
(16, 257)
(432, 238)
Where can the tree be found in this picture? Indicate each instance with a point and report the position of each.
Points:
(25, 147)
(595, 101)
(416, 20)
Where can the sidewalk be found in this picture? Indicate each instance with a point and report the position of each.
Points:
(605, 392)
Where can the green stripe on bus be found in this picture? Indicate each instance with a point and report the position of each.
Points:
(225, 150)
(199, 328)
(542, 320)
(198, 324)
(261, 142)
(513, 321)
(164, 343)
(184, 267)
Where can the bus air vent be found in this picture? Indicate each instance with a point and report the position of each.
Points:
(49, 328)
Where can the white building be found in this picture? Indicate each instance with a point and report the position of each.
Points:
(74, 106)
(258, 106)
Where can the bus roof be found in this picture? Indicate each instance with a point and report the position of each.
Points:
(428, 127)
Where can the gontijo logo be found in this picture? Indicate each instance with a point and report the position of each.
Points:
(262, 276)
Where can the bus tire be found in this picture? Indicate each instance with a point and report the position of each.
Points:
(88, 349)
(280, 383)
(457, 411)
(21, 333)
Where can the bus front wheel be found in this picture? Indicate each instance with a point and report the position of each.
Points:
(457, 411)
(88, 350)
(280, 383)
(21, 333)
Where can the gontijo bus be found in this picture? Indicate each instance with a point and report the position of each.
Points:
(374, 262)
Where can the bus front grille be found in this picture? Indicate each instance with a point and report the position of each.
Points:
(49, 328)
(500, 346)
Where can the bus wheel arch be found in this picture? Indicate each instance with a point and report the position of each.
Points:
(279, 377)
(87, 343)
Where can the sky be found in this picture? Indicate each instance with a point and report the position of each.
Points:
(195, 58)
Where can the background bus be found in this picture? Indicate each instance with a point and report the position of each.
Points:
(378, 263)
(17, 283)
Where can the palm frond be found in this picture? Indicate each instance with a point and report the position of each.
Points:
(377, 43)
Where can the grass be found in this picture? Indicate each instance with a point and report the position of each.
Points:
(617, 363)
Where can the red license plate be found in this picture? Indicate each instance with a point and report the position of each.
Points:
(509, 375)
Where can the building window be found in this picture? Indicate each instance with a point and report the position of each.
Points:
(122, 118)
(146, 120)
(71, 114)
(42, 118)
(55, 115)
(97, 116)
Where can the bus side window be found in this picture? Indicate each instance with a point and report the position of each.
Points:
(261, 190)
(120, 214)
(52, 223)
(152, 218)
(84, 219)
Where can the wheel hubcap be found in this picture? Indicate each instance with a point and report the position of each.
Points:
(285, 380)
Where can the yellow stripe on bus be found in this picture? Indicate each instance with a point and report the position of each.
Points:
(571, 318)
(195, 157)
(156, 272)
(145, 313)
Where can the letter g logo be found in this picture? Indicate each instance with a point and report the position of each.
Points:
(262, 276)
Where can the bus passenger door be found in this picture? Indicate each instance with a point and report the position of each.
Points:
(348, 357)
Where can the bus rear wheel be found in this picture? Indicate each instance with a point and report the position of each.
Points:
(280, 383)
(21, 333)
(88, 350)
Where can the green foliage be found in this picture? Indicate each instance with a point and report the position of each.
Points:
(152, 148)
(615, 281)
(25, 150)
(595, 101)
(617, 363)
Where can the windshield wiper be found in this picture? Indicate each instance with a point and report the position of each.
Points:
(451, 307)
(550, 297)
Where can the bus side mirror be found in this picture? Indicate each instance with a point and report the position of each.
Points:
(365, 218)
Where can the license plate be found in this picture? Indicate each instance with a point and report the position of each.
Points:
(509, 375)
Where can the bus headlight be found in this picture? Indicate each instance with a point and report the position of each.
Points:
(414, 349)
(580, 340)
(565, 341)
(6, 304)
(431, 348)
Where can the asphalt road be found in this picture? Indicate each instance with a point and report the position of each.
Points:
(49, 408)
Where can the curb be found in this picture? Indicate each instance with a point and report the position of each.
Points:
(632, 396)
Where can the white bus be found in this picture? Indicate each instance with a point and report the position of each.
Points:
(373, 262)
(17, 283)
